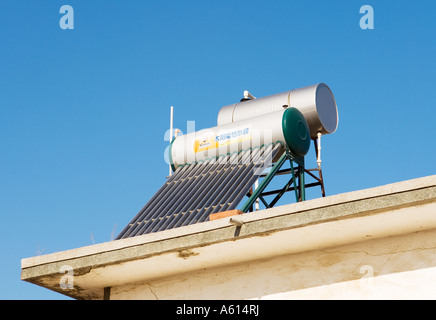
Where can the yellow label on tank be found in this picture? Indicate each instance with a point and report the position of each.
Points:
(209, 140)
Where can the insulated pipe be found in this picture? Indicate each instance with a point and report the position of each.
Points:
(171, 133)
(318, 160)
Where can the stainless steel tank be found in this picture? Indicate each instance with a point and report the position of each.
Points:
(287, 127)
(316, 103)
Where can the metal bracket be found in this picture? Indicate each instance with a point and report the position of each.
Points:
(299, 190)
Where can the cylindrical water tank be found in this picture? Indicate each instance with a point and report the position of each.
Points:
(286, 126)
(315, 102)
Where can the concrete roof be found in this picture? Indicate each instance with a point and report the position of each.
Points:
(314, 224)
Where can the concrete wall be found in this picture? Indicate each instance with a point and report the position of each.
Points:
(401, 267)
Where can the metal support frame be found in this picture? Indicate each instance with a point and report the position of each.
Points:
(319, 181)
(297, 181)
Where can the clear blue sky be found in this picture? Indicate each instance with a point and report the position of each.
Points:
(83, 112)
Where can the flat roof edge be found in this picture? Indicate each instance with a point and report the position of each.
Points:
(354, 203)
